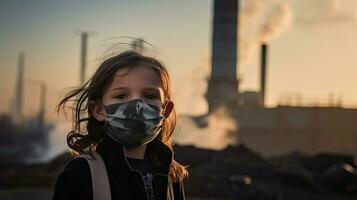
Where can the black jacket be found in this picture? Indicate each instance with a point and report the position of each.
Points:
(75, 182)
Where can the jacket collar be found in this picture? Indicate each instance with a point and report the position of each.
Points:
(160, 155)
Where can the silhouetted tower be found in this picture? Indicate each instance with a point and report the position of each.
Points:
(223, 84)
(19, 87)
(41, 114)
(42, 103)
(84, 40)
(264, 61)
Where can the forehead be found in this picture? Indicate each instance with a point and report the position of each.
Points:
(138, 76)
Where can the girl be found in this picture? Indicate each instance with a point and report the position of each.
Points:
(131, 117)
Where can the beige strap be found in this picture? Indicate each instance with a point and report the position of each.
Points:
(171, 189)
(100, 181)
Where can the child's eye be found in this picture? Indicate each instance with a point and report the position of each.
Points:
(151, 96)
(120, 96)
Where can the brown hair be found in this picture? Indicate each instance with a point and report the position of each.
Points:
(87, 131)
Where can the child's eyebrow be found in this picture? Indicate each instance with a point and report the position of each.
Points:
(120, 88)
(157, 89)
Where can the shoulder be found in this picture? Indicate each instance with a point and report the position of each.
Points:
(74, 182)
(76, 164)
(77, 167)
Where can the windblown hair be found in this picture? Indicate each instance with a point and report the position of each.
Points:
(87, 131)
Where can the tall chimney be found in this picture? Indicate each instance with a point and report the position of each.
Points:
(42, 103)
(223, 83)
(19, 87)
(263, 64)
(42, 107)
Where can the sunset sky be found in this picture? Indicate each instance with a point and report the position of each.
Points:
(313, 50)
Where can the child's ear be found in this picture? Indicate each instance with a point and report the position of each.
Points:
(97, 110)
(169, 108)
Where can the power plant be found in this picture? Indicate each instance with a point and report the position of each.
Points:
(276, 130)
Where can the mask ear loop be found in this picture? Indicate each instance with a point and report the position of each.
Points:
(164, 107)
(105, 118)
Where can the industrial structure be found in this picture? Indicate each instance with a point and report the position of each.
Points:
(276, 130)
(24, 138)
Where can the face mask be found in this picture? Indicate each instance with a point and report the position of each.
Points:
(133, 123)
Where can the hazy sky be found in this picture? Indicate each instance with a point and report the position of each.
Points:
(312, 53)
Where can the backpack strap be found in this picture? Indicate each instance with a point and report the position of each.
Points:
(100, 181)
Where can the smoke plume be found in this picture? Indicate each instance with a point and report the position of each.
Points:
(261, 21)
(214, 136)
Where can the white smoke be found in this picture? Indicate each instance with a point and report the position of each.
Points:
(261, 21)
(190, 89)
(214, 136)
(319, 12)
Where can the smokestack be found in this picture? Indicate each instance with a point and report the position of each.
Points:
(223, 83)
(264, 61)
(42, 103)
(19, 87)
(42, 107)
(84, 39)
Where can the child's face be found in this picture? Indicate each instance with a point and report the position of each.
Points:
(140, 83)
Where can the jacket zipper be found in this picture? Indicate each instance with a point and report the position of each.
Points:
(149, 178)
(141, 176)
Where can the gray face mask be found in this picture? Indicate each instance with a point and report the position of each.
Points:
(133, 123)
